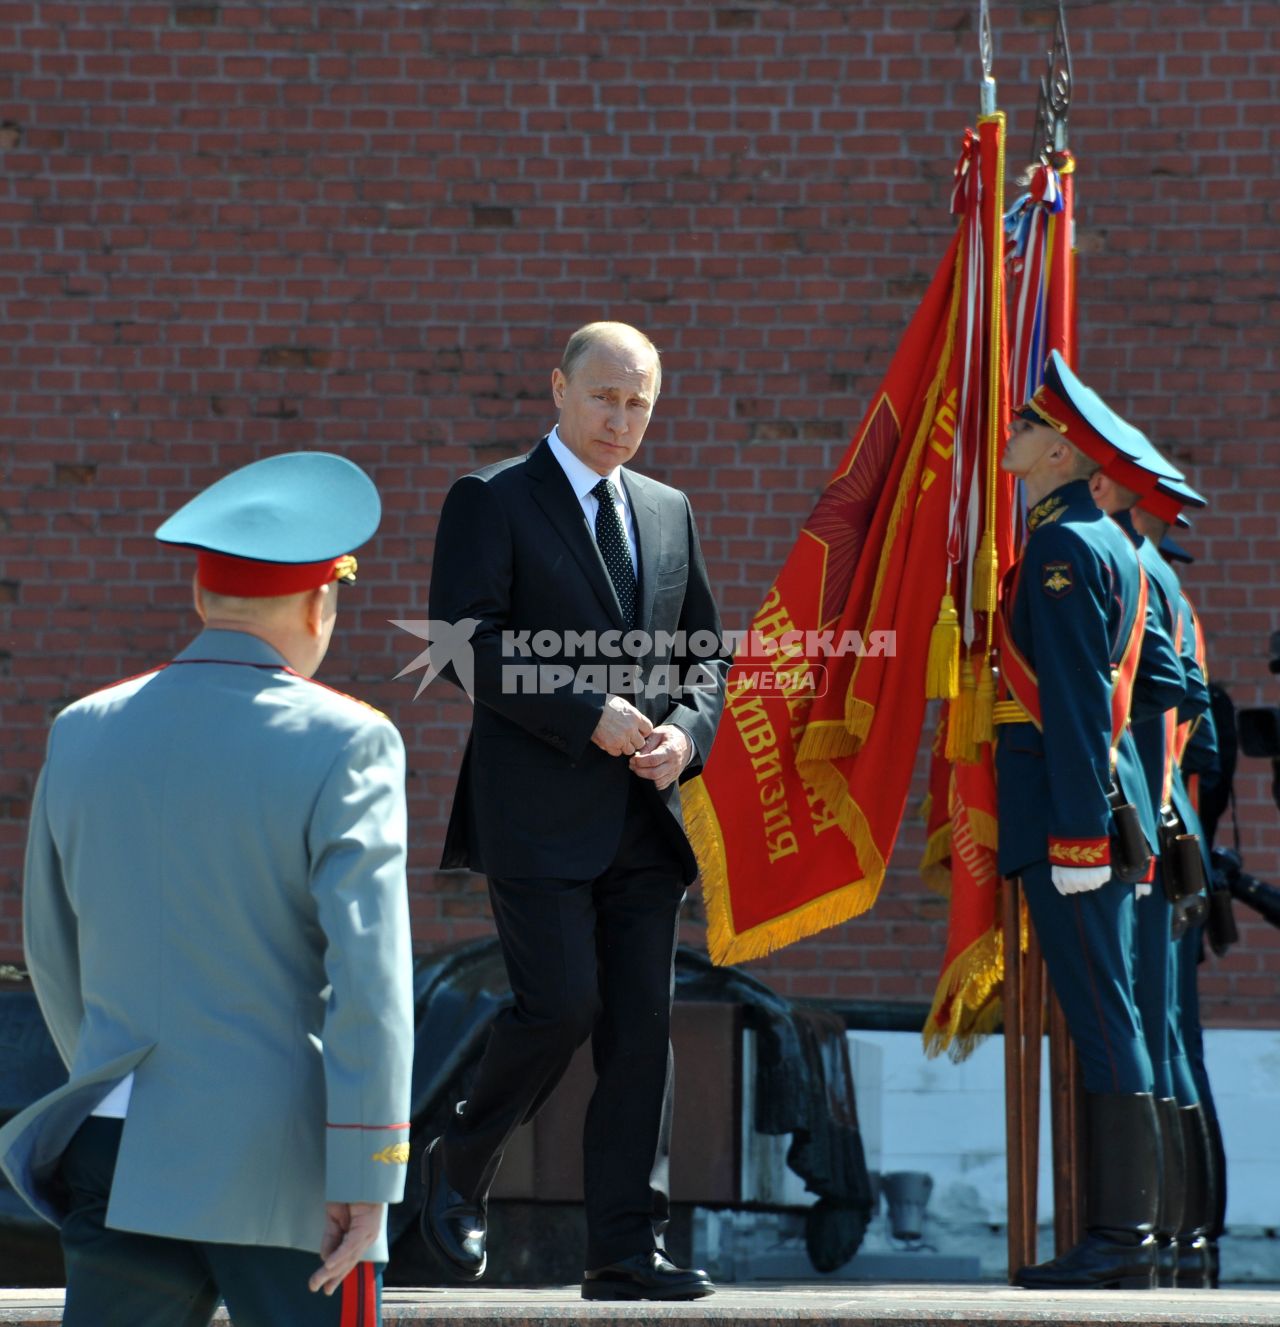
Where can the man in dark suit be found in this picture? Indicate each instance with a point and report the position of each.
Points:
(598, 683)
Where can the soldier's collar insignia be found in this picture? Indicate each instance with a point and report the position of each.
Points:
(1056, 578)
(1047, 510)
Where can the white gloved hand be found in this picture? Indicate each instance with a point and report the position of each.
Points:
(1079, 879)
(1140, 890)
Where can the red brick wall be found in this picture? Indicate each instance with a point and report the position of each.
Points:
(234, 229)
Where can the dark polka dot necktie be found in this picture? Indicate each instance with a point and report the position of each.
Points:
(612, 541)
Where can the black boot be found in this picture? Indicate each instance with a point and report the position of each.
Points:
(1194, 1265)
(1172, 1184)
(1118, 1251)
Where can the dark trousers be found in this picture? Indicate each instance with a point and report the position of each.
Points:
(1153, 971)
(1087, 941)
(587, 958)
(1193, 1041)
(116, 1278)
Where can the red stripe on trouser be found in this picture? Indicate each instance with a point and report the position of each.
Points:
(350, 1296)
(359, 1297)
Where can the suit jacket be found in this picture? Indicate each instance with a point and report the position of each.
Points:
(1074, 605)
(215, 901)
(514, 554)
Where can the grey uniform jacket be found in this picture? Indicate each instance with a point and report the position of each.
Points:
(215, 901)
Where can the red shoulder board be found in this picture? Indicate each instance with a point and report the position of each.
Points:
(119, 682)
(334, 691)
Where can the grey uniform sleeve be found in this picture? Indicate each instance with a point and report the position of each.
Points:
(356, 841)
(50, 930)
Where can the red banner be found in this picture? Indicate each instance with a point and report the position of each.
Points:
(799, 807)
(1042, 297)
(960, 814)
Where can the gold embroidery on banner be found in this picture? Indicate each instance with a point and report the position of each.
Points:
(394, 1154)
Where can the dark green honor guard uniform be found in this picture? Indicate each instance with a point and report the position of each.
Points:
(1194, 1164)
(1072, 637)
(216, 924)
(1154, 951)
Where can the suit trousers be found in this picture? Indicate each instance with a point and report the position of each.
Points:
(587, 958)
(1087, 940)
(118, 1278)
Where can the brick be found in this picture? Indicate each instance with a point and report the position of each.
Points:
(218, 256)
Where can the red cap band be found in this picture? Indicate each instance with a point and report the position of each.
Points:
(1133, 477)
(243, 578)
(1161, 506)
(1063, 416)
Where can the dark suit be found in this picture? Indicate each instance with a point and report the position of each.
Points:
(587, 863)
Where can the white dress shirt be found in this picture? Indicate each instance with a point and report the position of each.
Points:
(583, 479)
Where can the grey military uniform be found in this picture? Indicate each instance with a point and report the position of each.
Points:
(215, 901)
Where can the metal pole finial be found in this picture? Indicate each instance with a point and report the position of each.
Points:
(986, 55)
(1053, 106)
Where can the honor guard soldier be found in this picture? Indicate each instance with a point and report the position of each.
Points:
(1073, 821)
(216, 924)
(1195, 756)
(1179, 874)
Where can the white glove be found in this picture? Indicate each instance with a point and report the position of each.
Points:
(1079, 879)
(1140, 890)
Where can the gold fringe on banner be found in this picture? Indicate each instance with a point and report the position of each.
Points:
(936, 875)
(982, 825)
(969, 984)
(942, 677)
(961, 745)
(827, 739)
(725, 943)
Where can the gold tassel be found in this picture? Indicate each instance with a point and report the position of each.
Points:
(986, 575)
(942, 680)
(971, 985)
(961, 745)
(984, 729)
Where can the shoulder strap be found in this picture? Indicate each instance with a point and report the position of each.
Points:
(1019, 678)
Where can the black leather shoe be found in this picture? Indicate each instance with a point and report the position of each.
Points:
(1096, 1263)
(646, 1276)
(453, 1226)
